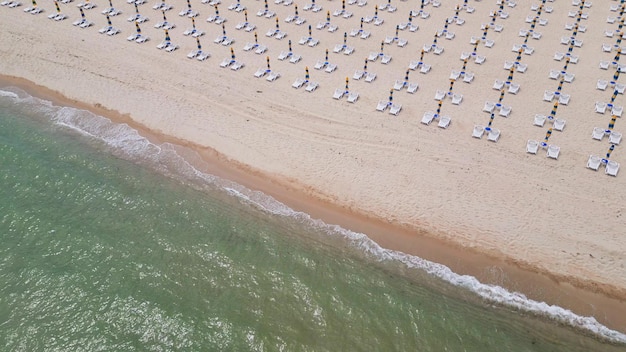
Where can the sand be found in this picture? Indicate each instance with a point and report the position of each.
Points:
(490, 199)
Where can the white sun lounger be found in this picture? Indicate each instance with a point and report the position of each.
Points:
(272, 76)
(558, 124)
(532, 146)
(425, 68)
(428, 117)
(478, 131)
(311, 86)
(353, 97)
(468, 77)
(386, 59)
(498, 84)
(399, 84)
(330, 68)
(553, 151)
(444, 122)
(338, 93)
(412, 88)
(370, 77)
(600, 107)
(260, 72)
(513, 88)
(617, 110)
(382, 105)
(373, 56)
(237, 65)
(615, 137)
(594, 162)
(548, 95)
(539, 120)
(505, 110)
(489, 106)
(358, 74)
(457, 99)
(298, 83)
(598, 133)
(295, 58)
(493, 135)
(564, 99)
(440, 95)
(611, 168)
(395, 109)
(602, 84)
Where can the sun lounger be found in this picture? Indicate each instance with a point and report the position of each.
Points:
(598, 133)
(455, 74)
(386, 59)
(348, 50)
(320, 64)
(554, 74)
(489, 43)
(378, 21)
(493, 135)
(513, 88)
(569, 77)
(558, 56)
(457, 99)
(600, 107)
(521, 68)
(617, 110)
(440, 95)
(382, 105)
(412, 88)
(532, 146)
(428, 117)
(353, 97)
(249, 46)
(594, 162)
(478, 131)
(358, 74)
(444, 122)
(202, 56)
(438, 50)
(564, 99)
(295, 58)
(548, 95)
(498, 84)
(260, 49)
(602, 84)
(395, 109)
(313, 42)
(468, 77)
(489, 106)
(330, 68)
(553, 151)
(402, 42)
(620, 88)
(539, 120)
(272, 76)
(338, 93)
(236, 66)
(370, 77)
(480, 59)
(505, 111)
(615, 137)
(225, 63)
(338, 48)
(365, 34)
(414, 64)
(425, 68)
(611, 168)
(558, 124)
(298, 83)
(260, 72)
(311, 86)
(398, 85)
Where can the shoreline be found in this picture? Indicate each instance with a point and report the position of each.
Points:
(587, 298)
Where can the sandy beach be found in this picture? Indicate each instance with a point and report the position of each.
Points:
(554, 226)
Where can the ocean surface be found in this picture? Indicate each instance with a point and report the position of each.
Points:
(111, 243)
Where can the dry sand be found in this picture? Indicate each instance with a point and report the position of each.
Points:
(550, 216)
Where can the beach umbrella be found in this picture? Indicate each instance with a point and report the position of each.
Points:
(136, 8)
(328, 17)
(223, 30)
(439, 106)
(560, 85)
(289, 42)
(612, 123)
(475, 45)
(554, 108)
(296, 10)
(189, 4)
(457, 9)
(390, 95)
(548, 134)
(193, 23)
(277, 28)
(464, 63)
(501, 95)
(82, 13)
(347, 80)
(376, 11)
(345, 38)
(137, 26)
(310, 35)
(406, 76)
(326, 57)
(611, 148)
(266, 7)
(491, 118)
(343, 5)
(510, 78)
(614, 96)
(616, 75)
(422, 55)
(109, 21)
(435, 38)
(198, 42)
(256, 38)
(306, 70)
(167, 36)
(410, 16)
(422, 5)
(361, 23)
(451, 84)
(617, 56)
(245, 15)
(267, 58)
(164, 17)
(397, 29)
(382, 46)
(110, 3)
(56, 4)
(232, 54)
(217, 11)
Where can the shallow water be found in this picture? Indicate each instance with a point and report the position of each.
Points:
(111, 243)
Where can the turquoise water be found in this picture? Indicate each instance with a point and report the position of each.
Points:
(111, 243)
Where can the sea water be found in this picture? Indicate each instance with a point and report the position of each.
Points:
(109, 242)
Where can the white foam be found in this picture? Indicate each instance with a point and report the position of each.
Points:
(126, 142)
